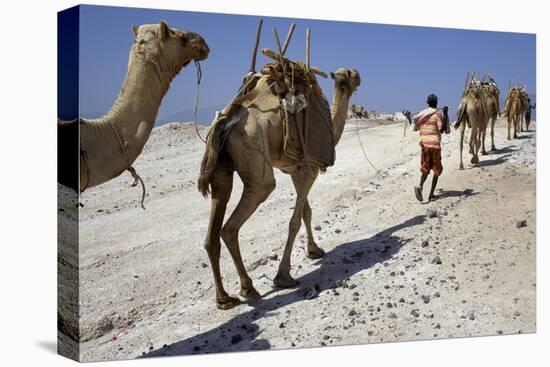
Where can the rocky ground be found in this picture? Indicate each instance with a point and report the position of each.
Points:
(394, 270)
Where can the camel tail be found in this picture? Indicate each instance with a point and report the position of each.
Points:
(210, 158)
(461, 114)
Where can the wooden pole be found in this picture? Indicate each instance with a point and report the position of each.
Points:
(466, 82)
(256, 44)
(288, 37)
(278, 41)
(307, 47)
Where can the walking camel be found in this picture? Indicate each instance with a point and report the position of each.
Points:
(358, 111)
(472, 112)
(514, 109)
(491, 97)
(252, 148)
(110, 144)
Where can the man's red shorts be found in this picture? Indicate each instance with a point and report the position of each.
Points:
(431, 160)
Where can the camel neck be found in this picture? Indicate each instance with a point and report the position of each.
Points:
(135, 110)
(340, 102)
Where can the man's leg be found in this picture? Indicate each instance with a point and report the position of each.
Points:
(432, 190)
(437, 169)
(418, 189)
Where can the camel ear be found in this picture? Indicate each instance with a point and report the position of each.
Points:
(164, 31)
(135, 30)
(332, 75)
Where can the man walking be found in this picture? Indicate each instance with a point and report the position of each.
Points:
(528, 112)
(431, 124)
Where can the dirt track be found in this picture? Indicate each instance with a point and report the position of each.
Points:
(395, 269)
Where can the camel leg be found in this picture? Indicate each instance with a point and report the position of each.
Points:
(521, 122)
(256, 190)
(303, 180)
(312, 250)
(509, 127)
(462, 128)
(516, 127)
(474, 145)
(482, 137)
(477, 145)
(222, 184)
(493, 148)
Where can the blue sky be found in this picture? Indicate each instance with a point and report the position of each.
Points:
(399, 65)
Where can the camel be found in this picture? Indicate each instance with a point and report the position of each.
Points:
(514, 109)
(110, 144)
(252, 148)
(358, 111)
(472, 110)
(492, 95)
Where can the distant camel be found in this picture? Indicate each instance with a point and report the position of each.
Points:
(358, 111)
(491, 98)
(514, 109)
(471, 111)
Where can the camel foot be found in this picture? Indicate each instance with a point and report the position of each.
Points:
(314, 252)
(509, 137)
(474, 160)
(250, 294)
(493, 149)
(227, 302)
(484, 152)
(461, 167)
(284, 281)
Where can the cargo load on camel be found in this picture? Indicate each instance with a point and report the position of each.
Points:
(308, 136)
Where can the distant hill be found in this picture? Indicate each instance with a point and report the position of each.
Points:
(205, 115)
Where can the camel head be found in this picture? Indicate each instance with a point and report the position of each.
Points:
(513, 94)
(172, 48)
(346, 80)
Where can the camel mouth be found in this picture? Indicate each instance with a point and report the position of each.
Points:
(201, 48)
(202, 53)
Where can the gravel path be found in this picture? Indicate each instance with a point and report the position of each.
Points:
(394, 270)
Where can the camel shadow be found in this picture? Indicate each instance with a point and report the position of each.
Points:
(494, 162)
(505, 150)
(241, 334)
(524, 136)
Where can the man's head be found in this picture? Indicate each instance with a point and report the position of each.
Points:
(432, 101)
(529, 100)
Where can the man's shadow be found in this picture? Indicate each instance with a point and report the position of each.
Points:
(241, 333)
(456, 193)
